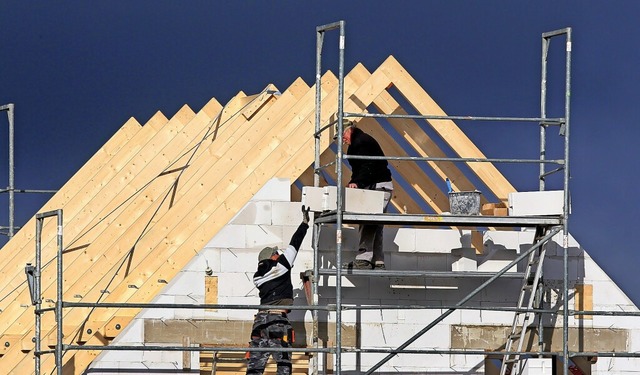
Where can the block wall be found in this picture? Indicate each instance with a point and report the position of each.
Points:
(270, 219)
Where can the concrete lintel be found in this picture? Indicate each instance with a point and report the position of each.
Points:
(580, 339)
(233, 332)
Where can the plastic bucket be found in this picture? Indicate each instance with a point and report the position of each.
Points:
(464, 203)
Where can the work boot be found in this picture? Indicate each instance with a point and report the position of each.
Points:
(358, 264)
(379, 265)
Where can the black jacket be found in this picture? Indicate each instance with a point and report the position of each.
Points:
(273, 277)
(365, 173)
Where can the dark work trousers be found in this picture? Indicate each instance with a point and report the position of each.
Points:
(370, 246)
(270, 330)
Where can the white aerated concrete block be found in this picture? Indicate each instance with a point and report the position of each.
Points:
(189, 313)
(502, 240)
(161, 366)
(464, 259)
(151, 356)
(118, 357)
(236, 284)
(276, 189)
(405, 239)
(230, 236)
(193, 281)
(496, 260)
(554, 269)
(159, 313)
(355, 200)
(264, 235)
(254, 212)
(617, 366)
(312, 197)
(533, 203)
(462, 362)
(287, 213)
(538, 366)
(238, 260)
(438, 240)
(131, 334)
(593, 271)
(208, 257)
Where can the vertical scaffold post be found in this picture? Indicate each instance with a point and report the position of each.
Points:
(564, 130)
(58, 308)
(316, 183)
(321, 30)
(59, 342)
(543, 111)
(11, 188)
(567, 106)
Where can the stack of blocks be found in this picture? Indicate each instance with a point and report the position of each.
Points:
(537, 366)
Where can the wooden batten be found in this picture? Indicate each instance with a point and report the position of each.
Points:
(9, 341)
(26, 342)
(115, 325)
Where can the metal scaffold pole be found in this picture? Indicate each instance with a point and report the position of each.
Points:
(11, 188)
(564, 130)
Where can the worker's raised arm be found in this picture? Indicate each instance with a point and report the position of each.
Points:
(298, 236)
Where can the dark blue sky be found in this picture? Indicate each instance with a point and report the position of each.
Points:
(77, 70)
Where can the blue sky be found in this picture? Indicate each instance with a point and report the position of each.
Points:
(78, 70)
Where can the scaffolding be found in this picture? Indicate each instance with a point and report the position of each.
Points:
(10, 230)
(546, 226)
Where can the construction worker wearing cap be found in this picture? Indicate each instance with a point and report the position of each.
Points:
(271, 327)
(372, 174)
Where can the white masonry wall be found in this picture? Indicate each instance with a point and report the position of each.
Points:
(270, 218)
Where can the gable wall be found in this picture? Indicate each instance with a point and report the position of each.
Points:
(270, 219)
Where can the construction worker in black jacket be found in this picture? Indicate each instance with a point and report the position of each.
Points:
(271, 327)
(371, 174)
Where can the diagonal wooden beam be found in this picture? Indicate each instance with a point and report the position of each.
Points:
(410, 171)
(447, 129)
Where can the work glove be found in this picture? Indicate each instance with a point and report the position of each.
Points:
(305, 214)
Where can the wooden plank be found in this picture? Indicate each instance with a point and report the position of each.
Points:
(477, 241)
(228, 363)
(261, 99)
(584, 300)
(447, 129)
(8, 341)
(115, 325)
(27, 342)
(87, 329)
(186, 355)
(211, 291)
(227, 127)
